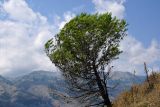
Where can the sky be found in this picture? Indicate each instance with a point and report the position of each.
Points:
(26, 25)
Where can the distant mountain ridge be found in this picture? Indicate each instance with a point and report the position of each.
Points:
(48, 89)
(37, 89)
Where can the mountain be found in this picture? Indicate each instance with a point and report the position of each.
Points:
(37, 89)
(49, 89)
(122, 81)
(40, 78)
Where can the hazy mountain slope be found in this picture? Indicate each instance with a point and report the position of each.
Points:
(49, 79)
(49, 89)
(12, 96)
(45, 85)
(122, 81)
(37, 89)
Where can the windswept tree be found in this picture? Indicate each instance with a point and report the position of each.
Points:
(83, 49)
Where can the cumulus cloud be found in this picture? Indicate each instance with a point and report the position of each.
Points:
(116, 7)
(19, 10)
(135, 54)
(60, 22)
(24, 32)
(22, 37)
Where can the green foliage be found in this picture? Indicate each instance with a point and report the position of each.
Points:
(84, 37)
(85, 46)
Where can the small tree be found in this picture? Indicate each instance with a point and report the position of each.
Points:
(83, 49)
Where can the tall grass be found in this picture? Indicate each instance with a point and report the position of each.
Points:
(143, 95)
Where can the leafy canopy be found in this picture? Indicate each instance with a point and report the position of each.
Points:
(87, 38)
(85, 46)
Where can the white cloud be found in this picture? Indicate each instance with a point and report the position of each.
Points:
(67, 17)
(116, 7)
(24, 32)
(135, 54)
(22, 36)
(19, 10)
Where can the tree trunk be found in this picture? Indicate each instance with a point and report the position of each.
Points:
(107, 100)
(103, 91)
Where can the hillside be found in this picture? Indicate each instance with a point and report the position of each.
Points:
(122, 81)
(49, 89)
(37, 89)
(142, 95)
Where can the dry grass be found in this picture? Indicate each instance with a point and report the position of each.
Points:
(143, 95)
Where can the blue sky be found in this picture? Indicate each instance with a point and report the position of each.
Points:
(27, 24)
(143, 18)
(141, 15)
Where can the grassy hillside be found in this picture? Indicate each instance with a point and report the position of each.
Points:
(143, 95)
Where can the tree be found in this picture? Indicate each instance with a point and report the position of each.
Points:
(83, 49)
